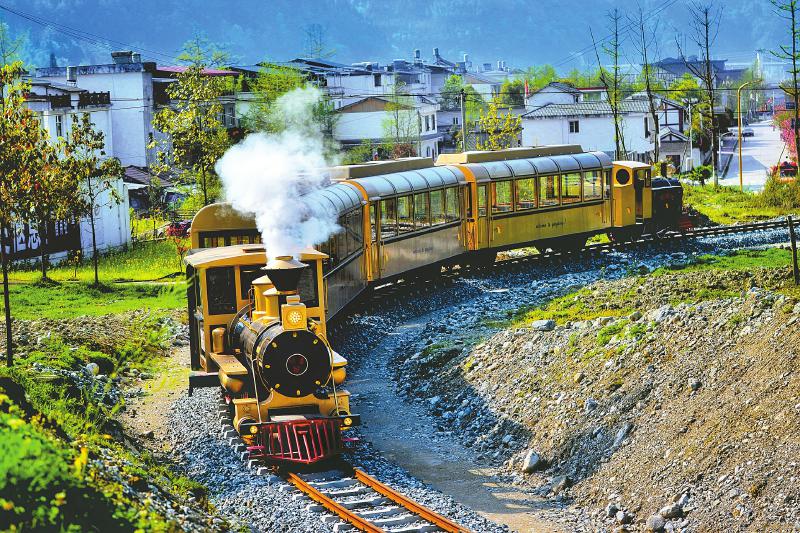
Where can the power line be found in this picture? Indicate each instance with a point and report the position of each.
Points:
(93, 39)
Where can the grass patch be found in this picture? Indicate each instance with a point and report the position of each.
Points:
(148, 261)
(738, 260)
(608, 332)
(67, 300)
(726, 205)
(570, 307)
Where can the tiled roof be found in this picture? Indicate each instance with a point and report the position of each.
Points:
(583, 109)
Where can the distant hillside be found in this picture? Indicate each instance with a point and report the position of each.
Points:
(518, 31)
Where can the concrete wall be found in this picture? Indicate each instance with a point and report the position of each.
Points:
(596, 133)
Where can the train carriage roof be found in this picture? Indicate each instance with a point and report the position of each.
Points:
(400, 183)
(336, 199)
(547, 165)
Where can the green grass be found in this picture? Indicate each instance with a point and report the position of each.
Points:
(67, 300)
(148, 261)
(143, 227)
(726, 205)
(570, 307)
(738, 260)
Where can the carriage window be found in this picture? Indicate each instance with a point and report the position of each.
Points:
(451, 211)
(355, 232)
(482, 201)
(548, 190)
(246, 276)
(340, 240)
(421, 211)
(607, 182)
(643, 175)
(388, 218)
(501, 197)
(570, 188)
(221, 290)
(526, 193)
(405, 217)
(437, 208)
(592, 185)
(373, 216)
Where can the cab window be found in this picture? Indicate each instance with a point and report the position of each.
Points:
(548, 191)
(570, 188)
(246, 276)
(307, 286)
(526, 193)
(501, 197)
(592, 185)
(388, 218)
(221, 290)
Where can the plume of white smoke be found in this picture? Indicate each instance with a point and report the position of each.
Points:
(268, 174)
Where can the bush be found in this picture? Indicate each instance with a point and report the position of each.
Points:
(42, 485)
(779, 194)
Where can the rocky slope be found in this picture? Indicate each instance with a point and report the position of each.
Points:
(661, 402)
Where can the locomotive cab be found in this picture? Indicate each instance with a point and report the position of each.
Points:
(632, 199)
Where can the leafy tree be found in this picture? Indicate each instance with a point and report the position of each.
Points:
(359, 154)
(502, 131)
(10, 47)
(200, 52)
(23, 149)
(195, 136)
(512, 92)
(587, 78)
(272, 82)
(84, 158)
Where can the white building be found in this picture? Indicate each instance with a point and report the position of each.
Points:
(562, 114)
(367, 118)
(57, 105)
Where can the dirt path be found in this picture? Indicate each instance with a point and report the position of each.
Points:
(403, 432)
(147, 415)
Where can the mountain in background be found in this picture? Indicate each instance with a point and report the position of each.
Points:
(521, 32)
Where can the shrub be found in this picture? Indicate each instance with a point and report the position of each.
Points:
(779, 194)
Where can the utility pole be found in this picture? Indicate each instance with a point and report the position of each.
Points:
(741, 139)
(463, 122)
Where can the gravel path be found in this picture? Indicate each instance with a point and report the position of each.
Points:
(264, 503)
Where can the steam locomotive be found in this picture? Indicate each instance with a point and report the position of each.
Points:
(261, 332)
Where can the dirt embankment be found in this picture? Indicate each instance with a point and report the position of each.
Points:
(664, 402)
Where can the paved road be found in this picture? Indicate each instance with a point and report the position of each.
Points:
(759, 154)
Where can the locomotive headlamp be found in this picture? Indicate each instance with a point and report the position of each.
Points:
(253, 429)
(348, 421)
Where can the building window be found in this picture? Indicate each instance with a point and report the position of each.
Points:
(59, 126)
(427, 151)
(574, 126)
(455, 121)
(433, 122)
(646, 128)
(377, 78)
(427, 123)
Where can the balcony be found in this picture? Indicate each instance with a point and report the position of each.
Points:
(58, 101)
(94, 99)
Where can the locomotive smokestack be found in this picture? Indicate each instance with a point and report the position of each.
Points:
(284, 272)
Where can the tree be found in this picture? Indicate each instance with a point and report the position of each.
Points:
(402, 123)
(789, 12)
(10, 47)
(84, 158)
(22, 143)
(200, 52)
(501, 131)
(705, 27)
(613, 82)
(195, 136)
(512, 92)
(271, 82)
(587, 78)
(645, 42)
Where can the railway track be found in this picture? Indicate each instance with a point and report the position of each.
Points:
(360, 502)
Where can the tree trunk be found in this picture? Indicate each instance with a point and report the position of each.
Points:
(205, 187)
(6, 299)
(42, 248)
(94, 247)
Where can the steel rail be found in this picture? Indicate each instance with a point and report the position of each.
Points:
(434, 518)
(362, 524)
(333, 506)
